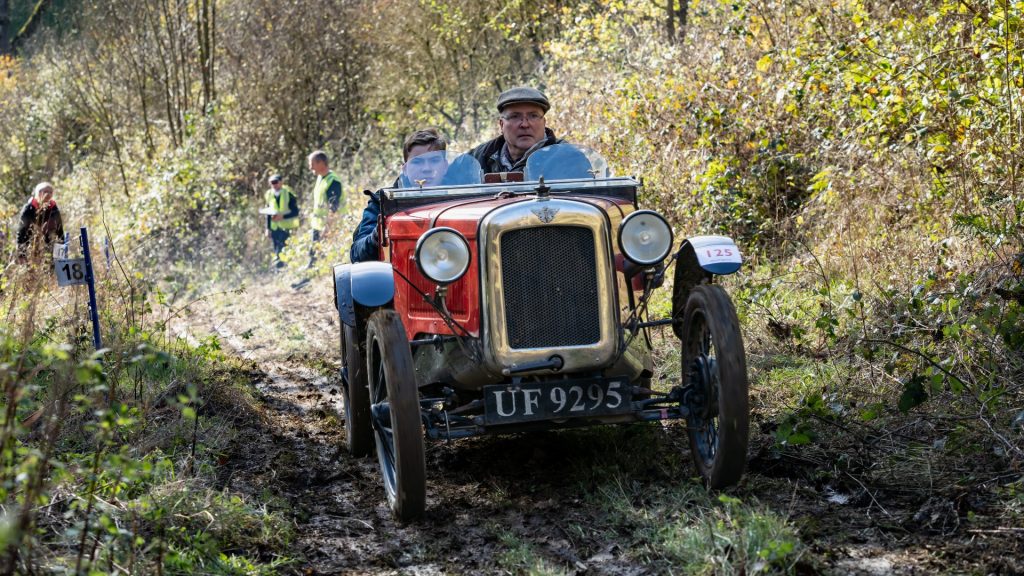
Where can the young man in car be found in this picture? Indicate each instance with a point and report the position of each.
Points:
(365, 243)
(523, 128)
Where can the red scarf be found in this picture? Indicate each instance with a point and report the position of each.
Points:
(52, 204)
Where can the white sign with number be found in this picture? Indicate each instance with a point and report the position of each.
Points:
(70, 272)
(716, 250)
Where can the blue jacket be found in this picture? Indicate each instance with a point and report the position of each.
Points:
(365, 244)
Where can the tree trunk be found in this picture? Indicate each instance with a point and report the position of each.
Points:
(5, 23)
(670, 13)
(34, 21)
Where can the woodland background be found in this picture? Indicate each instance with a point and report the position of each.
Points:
(865, 154)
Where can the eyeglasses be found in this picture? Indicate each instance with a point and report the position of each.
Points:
(516, 117)
(272, 182)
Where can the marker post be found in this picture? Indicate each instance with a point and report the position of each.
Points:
(75, 271)
(91, 281)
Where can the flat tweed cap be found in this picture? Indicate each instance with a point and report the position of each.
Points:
(523, 94)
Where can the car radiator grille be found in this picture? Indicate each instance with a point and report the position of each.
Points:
(549, 279)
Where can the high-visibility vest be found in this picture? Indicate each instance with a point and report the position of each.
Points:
(320, 207)
(280, 202)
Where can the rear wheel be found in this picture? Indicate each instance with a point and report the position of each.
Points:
(356, 395)
(715, 375)
(395, 415)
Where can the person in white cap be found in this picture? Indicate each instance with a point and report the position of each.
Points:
(40, 223)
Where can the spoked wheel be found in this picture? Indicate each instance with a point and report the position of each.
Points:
(395, 415)
(355, 394)
(715, 372)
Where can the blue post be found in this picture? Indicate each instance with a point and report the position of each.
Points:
(106, 251)
(67, 245)
(93, 312)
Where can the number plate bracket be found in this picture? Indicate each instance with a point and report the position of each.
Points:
(533, 401)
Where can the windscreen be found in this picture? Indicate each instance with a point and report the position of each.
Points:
(565, 162)
(440, 168)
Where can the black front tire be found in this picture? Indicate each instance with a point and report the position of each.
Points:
(715, 366)
(395, 414)
(356, 395)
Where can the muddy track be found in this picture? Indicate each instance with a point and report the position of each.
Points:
(536, 488)
(477, 488)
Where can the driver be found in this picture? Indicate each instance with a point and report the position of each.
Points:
(523, 131)
(429, 170)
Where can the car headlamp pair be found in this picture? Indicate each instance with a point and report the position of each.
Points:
(442, 255)
(645, 237)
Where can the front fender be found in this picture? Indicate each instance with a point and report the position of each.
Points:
(699, 259)
(369, 284)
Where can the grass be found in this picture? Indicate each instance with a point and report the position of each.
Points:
(121, 469)
(522, 558)
(633, 486)
(680, 526)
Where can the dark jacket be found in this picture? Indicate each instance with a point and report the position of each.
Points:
(489, 153)
(365, 244)
(35, 218)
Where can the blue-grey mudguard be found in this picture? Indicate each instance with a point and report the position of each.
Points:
(369, 284)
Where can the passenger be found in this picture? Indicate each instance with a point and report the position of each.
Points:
(365, 243)
(521, 113)
(281, 200)
(424, 169)
(40, 223)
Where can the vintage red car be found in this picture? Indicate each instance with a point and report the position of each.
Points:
(503, 306)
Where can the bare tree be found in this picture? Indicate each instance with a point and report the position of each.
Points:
(674, 15)
(35, 20)
(5, 23)
(206, 26)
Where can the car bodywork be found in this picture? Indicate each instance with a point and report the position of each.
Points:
(549, 315)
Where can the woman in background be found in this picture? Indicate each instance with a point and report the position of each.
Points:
(41, 223)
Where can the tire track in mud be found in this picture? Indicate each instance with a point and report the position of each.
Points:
(532, 488)
(295, 458)
(296, 454)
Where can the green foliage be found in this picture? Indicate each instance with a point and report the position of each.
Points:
(108, 457)
(867, 155)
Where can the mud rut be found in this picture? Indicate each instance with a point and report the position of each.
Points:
(477, 488)
(337, 502)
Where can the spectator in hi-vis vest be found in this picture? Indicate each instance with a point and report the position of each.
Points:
(326, 196)
(282, 215)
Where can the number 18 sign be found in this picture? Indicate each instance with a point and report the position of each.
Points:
(70, 272)
(74, 271)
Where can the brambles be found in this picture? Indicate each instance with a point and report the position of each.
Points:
(867, 153)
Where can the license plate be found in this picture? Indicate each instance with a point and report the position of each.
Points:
(505, 404)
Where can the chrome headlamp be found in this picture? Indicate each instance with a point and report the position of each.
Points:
(442, 255)
(645, 237)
